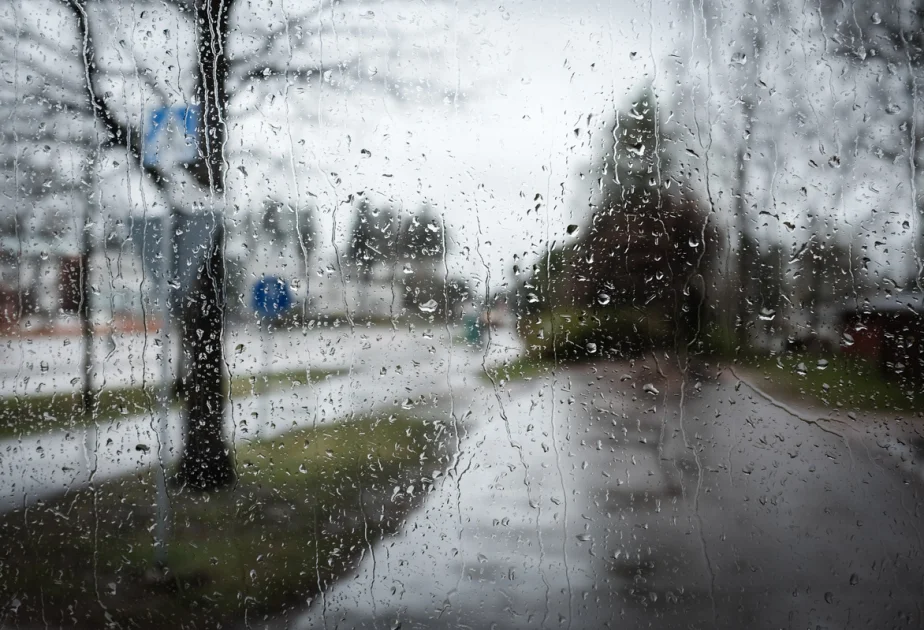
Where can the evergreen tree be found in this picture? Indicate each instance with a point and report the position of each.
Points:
(645, 241)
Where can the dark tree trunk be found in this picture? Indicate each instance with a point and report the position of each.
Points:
(744, 254)
(206, 463)
(212, 91)
(86, 325)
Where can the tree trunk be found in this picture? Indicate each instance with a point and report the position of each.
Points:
(86, 324)
(206, 463)
(211, 90)
(744, 254)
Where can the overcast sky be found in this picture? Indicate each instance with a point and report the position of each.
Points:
(478, 107)
(527, 74)
(490, 97)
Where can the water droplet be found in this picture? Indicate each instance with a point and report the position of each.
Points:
(428, 307)
(591, 347)
(847, 340)
(875, 18)
(829, 597)
(739, 58)
(822, 364)
(648, 388)
(854, 579)
(603, 299)
(584, 537)
(834, 161)
(532, 298)
(767, 314)
(893, 108)
(801, 370)
(43, 366)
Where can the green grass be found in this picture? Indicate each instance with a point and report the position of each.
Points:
(571, 335)
(246, 385)
(306, 508)
(842, 382)
(521, 368)
(40, 413)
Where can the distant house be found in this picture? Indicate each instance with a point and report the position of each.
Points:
(40, 267)
(888, 330)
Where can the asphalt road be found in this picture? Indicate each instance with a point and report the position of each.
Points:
(53, 364)
(617, 497)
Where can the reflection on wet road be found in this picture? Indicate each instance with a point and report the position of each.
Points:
(613, 496)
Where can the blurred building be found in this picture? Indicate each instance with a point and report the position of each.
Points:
(888, 330)
(40, 269)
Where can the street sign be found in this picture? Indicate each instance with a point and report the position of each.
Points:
(171, 135)
(271, 296)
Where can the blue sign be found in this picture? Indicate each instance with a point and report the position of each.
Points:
(171, 135)
(271, 296)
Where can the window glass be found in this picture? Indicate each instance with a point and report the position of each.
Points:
(392, 314)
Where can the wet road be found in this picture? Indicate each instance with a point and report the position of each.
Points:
(381, 368)
(53, 364)
(617, 497)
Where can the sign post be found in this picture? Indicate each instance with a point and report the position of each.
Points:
(271, 298)
(170, 137)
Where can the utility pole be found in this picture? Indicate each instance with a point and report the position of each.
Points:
(166, 393)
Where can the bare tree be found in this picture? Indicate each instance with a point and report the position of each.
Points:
(75, 80)
(883, 45)
(789, 146)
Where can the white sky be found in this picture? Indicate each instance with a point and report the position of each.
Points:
(529, 74)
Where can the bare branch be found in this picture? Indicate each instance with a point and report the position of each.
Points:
(119, 134)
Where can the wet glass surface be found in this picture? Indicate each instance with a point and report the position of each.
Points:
(461, 315)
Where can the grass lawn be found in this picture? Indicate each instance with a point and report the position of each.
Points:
(306, 508)
(521, 368)
(836, 381)
(40, 413)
